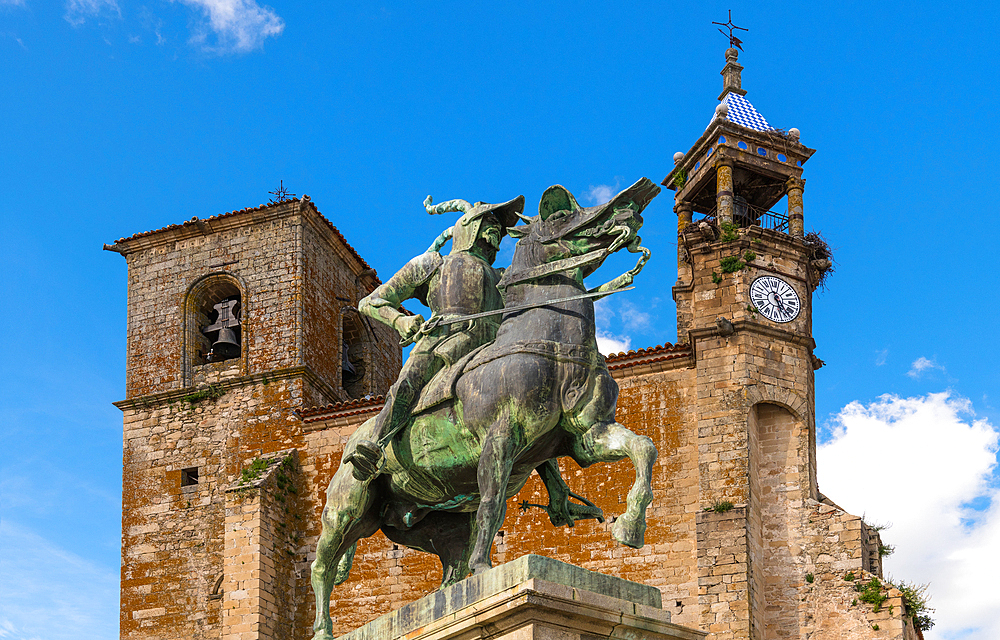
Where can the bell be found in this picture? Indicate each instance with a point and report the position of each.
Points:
(227, 346)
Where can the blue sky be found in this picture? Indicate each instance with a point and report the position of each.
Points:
(119, 116)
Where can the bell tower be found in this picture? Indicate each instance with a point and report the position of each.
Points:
(746, 274)
(235, 322)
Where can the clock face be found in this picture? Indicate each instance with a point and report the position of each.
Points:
(775, 299)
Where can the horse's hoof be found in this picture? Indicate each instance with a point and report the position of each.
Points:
(586, 512)
(629, 533)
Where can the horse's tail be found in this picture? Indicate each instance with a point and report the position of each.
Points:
(344, 565)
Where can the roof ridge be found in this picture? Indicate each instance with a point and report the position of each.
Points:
(196, 221)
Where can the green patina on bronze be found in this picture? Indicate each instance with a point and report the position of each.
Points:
(483, 402)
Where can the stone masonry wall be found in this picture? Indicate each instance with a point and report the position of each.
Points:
(259, 590)
(385, 577)
(330, 287)
(160, 276)
(835, 549)
(781, 466)
(172, 536)
(723, 573)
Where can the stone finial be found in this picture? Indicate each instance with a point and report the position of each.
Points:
(722, 111)
(678, 157)
(731, 74)
(793, 133)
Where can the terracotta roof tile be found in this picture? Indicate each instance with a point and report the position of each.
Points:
(315, 414)
(665, 348)
(196, 220)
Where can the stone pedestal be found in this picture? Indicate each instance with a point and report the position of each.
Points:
(532, 598)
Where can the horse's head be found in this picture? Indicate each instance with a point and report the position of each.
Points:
(567, 238)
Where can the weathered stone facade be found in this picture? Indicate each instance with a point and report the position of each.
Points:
(225, 463)
(192, 426)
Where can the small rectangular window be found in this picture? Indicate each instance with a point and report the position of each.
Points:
(189, 476)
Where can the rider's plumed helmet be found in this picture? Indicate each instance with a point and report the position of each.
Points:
(466, 230)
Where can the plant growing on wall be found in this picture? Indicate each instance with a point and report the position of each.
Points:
(731, 264)
(730, 232)
(210, 392)
(872, 593)
(916, 603)
(680, 178)
(721, 506)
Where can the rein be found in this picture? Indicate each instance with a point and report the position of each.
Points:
(566, 264)
(551, 268)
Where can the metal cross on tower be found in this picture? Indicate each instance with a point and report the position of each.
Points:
(733, 40)
(280, 194)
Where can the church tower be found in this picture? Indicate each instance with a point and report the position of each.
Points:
(746, 275)
(236, 322)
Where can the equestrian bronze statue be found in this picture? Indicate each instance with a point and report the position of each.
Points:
(435, 469)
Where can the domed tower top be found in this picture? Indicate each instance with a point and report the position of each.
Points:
(741, 166)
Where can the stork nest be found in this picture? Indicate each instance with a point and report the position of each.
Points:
(821, 259)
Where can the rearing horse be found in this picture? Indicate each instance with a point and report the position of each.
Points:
(539, 392)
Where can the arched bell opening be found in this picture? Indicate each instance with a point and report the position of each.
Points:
(214, 324)
(354, 355)
(220, 332)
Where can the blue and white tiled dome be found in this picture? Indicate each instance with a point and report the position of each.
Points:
(741, 112)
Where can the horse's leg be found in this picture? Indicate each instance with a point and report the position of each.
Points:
(609, 442)
(446, 535)
(502, 443)
(347, 517)
(561, 511)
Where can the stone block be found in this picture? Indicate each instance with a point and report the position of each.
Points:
(535, 598)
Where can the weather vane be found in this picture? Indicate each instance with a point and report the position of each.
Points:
(733, 40)
(280, 195)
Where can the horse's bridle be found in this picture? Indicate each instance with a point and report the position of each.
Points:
(573, 262)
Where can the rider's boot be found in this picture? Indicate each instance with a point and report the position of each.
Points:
(368, 456)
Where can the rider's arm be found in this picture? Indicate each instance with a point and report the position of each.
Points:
(383, 304)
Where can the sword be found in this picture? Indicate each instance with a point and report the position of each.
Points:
(436, 321)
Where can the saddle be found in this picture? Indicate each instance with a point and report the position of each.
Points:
(442, 386)
(572, 384)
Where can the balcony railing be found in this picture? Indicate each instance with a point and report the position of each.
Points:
(747, 215)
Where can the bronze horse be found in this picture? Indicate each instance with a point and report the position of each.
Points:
(539, 392)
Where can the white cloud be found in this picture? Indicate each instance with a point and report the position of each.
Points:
(920, 365)
(239, 25)
(599, 194)
(13, 3)
(609, 344)
(153, 23)
(633, 317)
(881, 356)
(48, 592)
(918, 463)
(77, 11)
(608, 340)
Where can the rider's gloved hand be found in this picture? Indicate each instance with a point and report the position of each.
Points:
(408, 326)
(367, 459)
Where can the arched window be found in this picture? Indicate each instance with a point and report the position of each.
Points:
(354, 354)
(214, 323)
